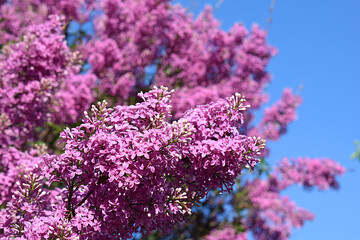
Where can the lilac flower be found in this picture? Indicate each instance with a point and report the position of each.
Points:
(128, 167)
(272, 216)
(228, 233)
(39, 79)
(18, 15)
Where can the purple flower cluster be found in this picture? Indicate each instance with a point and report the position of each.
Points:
(195, 57)
(14, 166)
(128, 168)
(35, 213)
(277, 117)
(309, 172)
(272, 216)
(141, 167)
(228, 233)
(74, 97)
(38, 79)
(18, 15)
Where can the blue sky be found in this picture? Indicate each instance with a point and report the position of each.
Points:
(319, 46)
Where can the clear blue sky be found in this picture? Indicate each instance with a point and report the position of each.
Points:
(319, 46)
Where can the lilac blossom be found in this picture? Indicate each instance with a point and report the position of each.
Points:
(73, 98)
(272, 216)
(276, 118)
(39, 78)
(140, 167)
(128, 167)
(195, 57)
(14, 164)
(30, 216)
(18, 15)
(227, 233)
(309, 172)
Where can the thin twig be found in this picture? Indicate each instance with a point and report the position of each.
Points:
(270, 17)
(85, 198)
(218, 4)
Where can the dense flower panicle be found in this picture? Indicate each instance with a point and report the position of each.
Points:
(26, 202)
(309, 172)
(228, 233)
(32, 214)
(42, 54)
(277, 117)
(272, 216)
(193, 56)
(27, 211)
(33, 71)
(114, 80)
(14, 164)
(131, 35)
(74, 97)
(18, 15)
(140, 167)
(31, 211)
(141, 171)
